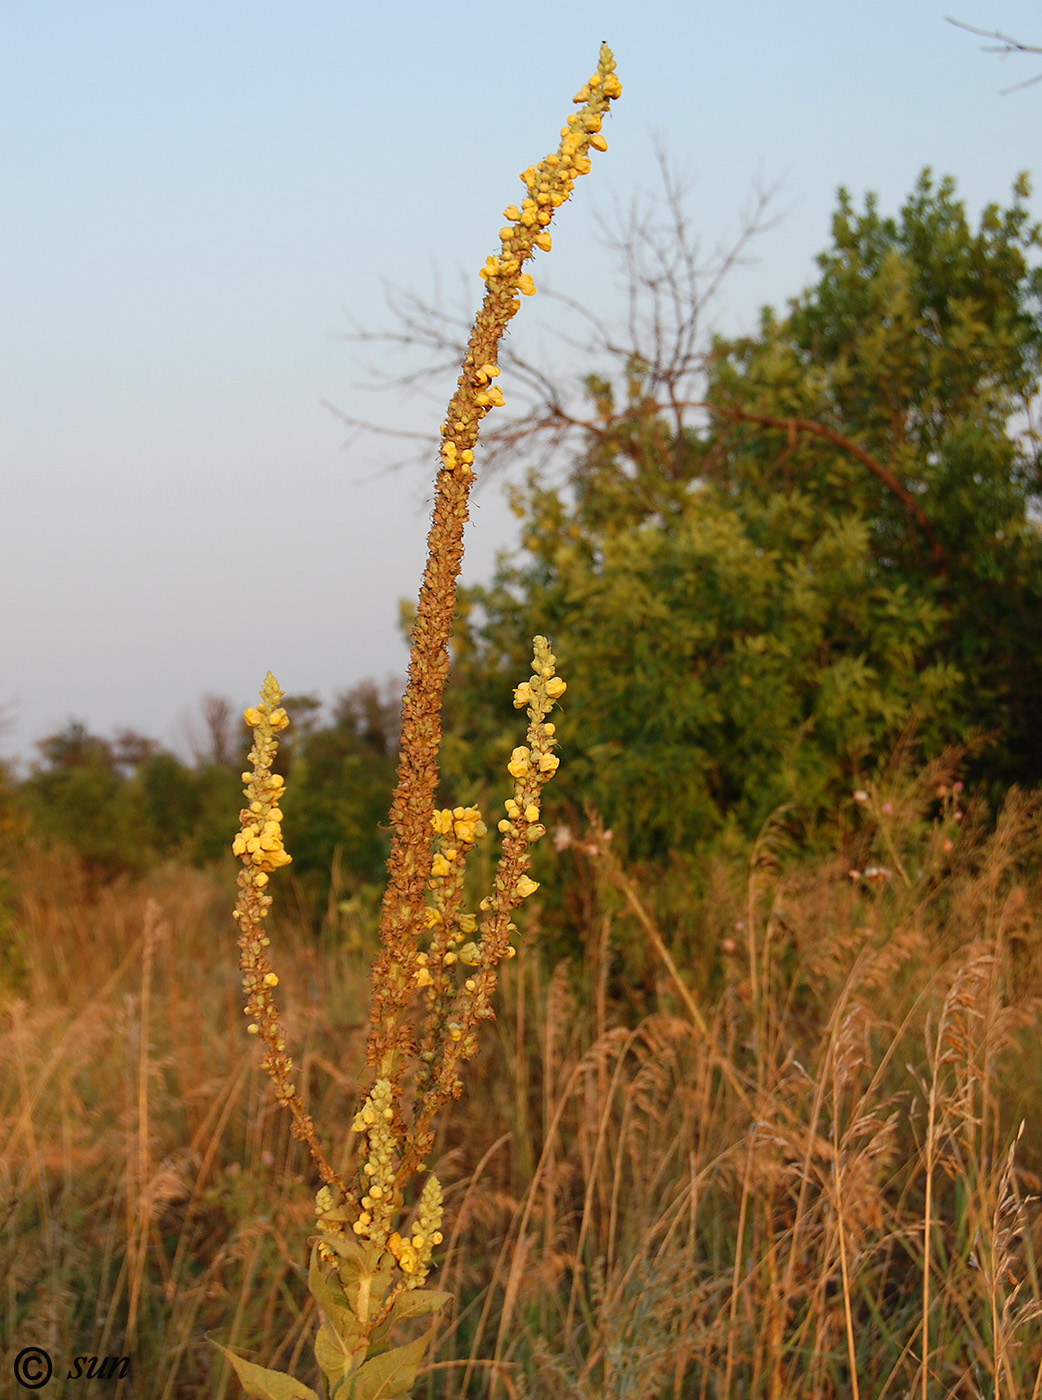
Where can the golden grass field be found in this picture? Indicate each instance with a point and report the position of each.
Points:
(722, 1192)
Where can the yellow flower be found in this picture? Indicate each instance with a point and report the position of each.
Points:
(525, 285)
(555, 687)
(518, 765)
(526, 886)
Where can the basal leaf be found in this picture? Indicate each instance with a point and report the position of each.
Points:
(264, 1384)
(390, 1376)
(337, 1357)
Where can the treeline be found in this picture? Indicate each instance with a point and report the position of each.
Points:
(126, 803)
(769, 566)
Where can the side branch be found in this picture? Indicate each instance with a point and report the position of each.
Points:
(877, 468)
(557, 418)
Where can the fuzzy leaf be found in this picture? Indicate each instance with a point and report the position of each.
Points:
(337, 1357)
(390, 1376)
(332, 1300)
(418, 1302)
(264, 1384)
(366, 1280)
(361, 1255)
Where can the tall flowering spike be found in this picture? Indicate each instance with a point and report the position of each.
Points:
(432, 949)
(548, 186)
(259, 844)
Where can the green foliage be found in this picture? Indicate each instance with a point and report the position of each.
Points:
(756, 612)
(80, 796)
(341, 778)
(125, 804)
(921, 345)
(264, 1383)
(122, 805)
(357, 1316)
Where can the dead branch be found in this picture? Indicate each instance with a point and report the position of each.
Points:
(1005, 46)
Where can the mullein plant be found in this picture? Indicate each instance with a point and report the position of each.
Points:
(373, 1250)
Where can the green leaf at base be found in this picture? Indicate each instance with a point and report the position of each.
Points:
(264, 1384)
(390, 1376)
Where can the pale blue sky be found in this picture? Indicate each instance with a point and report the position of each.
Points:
(197, 199)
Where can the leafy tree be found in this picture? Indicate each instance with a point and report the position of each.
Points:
(905, 384)
(126, 803)
(340, 781)
(754, 607)
(78, 795)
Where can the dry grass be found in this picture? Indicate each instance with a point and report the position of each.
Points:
(800, 1184)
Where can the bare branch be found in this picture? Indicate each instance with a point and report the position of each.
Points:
(668, 286)
(1005, 46)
